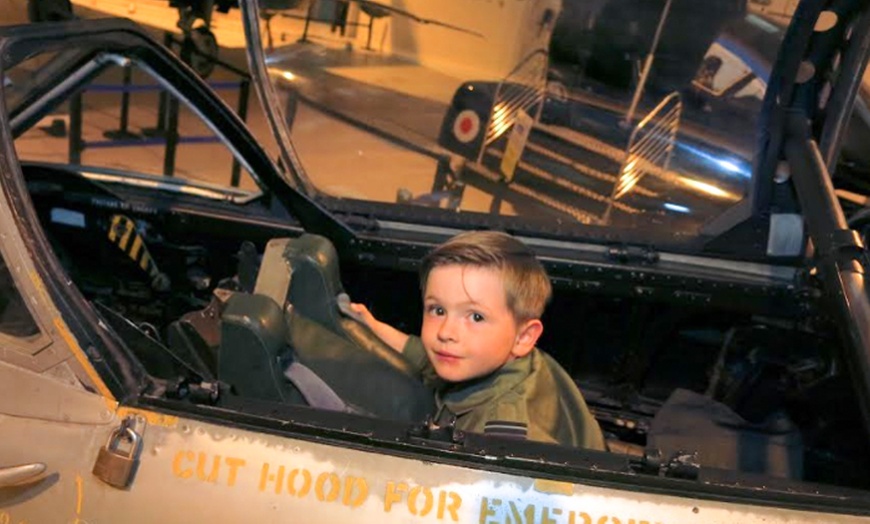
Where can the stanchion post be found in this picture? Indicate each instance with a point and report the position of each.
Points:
(75, 133)
(171, 134)
(244, 90)
(371, 28)
(304, 37)
(122, 132)
(160, 127)
(125, 98)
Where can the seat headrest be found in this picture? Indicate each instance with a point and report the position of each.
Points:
(305, 272)
(253, 340)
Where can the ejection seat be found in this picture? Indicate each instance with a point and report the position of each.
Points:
(304, 271)
(293, 321)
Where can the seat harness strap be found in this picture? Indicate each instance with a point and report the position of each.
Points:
(314, 390)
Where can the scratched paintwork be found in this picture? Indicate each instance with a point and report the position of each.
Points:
(206, 472)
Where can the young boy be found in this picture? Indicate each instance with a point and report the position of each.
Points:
(483, 296)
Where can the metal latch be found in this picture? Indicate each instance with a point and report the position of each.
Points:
(626, 254)
(682, 464)
(444, 436)
(117, 460)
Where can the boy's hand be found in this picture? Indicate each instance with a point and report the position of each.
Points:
(390, 335)
(362, 313)
(358, 312)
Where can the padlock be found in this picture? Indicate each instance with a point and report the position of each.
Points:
(113, 466)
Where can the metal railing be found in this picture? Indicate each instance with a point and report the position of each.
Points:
(524, 88)
(649, 148)
(650, 145)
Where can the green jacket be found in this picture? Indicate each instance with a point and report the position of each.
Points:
(531, 397)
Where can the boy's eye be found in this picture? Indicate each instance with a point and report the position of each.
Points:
(477, 317)
(435, 310)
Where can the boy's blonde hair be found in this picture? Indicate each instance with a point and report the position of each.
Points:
(527, 287)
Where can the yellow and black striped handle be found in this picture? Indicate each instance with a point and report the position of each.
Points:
(123, 233)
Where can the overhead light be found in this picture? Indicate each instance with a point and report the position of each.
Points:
(676, 207)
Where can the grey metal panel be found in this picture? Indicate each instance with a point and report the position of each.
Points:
(68, 451)
(54, 344)
(48, 348)
(27, 394)
(38, 355)
(198, 472)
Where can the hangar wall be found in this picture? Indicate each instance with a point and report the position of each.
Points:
(509, 29)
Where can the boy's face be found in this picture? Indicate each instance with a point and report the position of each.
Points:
(468, 330)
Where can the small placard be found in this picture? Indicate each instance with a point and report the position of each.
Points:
(516, 143)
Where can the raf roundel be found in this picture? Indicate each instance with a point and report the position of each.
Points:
(466, 126)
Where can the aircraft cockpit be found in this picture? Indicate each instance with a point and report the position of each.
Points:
(176, 270)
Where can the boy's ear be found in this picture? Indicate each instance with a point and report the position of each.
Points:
(527, 337)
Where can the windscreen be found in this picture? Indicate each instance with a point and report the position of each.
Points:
(638, 115)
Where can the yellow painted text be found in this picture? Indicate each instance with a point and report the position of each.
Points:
(498, 511)
(327, 486)
(420, 501)
(215, 469)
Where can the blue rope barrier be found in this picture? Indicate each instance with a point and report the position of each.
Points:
(154, 141)
(109, 88)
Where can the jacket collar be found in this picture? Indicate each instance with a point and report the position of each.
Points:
(462, 397)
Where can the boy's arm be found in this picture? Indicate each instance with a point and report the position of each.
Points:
(390, 335)
(410, 347)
